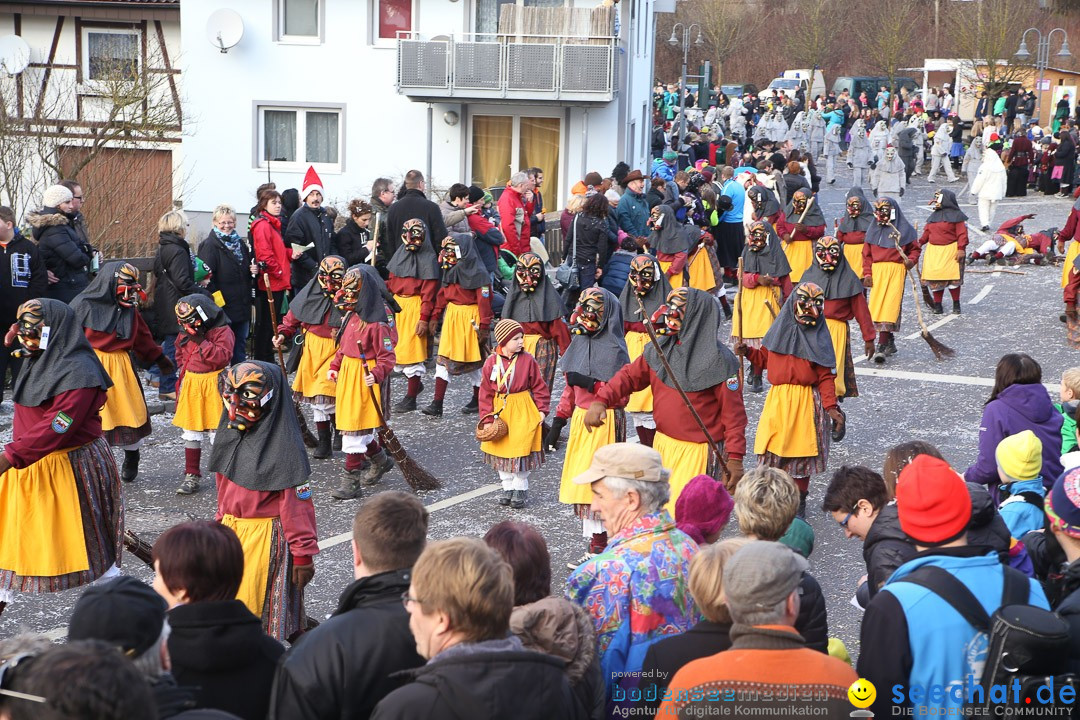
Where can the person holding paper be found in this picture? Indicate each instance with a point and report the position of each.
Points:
(310, 231)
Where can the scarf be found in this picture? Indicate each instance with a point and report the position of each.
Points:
(670, 239)
(311, 305)
(770, 260)
(866, 214)
(772, 205)
(233, 242)
(543, 304)
(813, 218)
(882, 236)
(696, 355)
(839, 284)
(422, 263)
(469, 272)
(656, 297)
(603, 353)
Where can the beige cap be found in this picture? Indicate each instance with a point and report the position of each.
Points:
(632, 461)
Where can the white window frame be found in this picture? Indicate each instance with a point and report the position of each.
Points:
(300, 164)
(279, 26)
(87, 30)
(373, 24)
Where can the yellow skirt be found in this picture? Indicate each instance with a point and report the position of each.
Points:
(888, 291)
(355, 411)
(125, 405)
(1070, 255)
(41, 527)
(580, 447)
(531, 342)
(686, 460)
(410, 349)
(256, 537)
(199, 407)
(853, 253)
(940, 264)
(786, 427)
(701, 274)
(524, 420)
(752, 304)
(640, 401)
(800, 256)
(459, 341)
(838, 331)
(314, 364)
(675, 280)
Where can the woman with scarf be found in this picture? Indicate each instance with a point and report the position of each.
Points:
(108, 312)
(766, 283)
(806, 223)
(890, 250)
(313, 314)
(274, 261)
(203, 349)
(364, 357)
(464, 303)
(798, 354)
(514, 390)
(263, 495)
(232, 269)
(844, 301)
(535, 303)
(945, 239)
(647, 283)
(706, 370)
(62, 500)
(414, 281)
(1064, 158)
(669, 242)
(595, 354)
(851, 231)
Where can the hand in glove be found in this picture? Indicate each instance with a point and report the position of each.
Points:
(868, 282)
(584, 382)
(799, 227)
(165, 365)
(551, 440)
(908, 263)
(901, 192)
(483, 335)
(836, 417)
(302, 574)
(869, 348)
(850, 165)
(595, 416)
(735, 468)
(766, 280)
(421, 328)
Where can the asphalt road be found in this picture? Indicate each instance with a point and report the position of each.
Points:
(912, 397)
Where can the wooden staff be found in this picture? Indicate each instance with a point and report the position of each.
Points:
(940, 349)
(799, 221)
(375, 240)
(305, 432)
(738, 309)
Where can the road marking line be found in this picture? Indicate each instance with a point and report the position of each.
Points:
(935, 326)
(980, 295)
(932, 377)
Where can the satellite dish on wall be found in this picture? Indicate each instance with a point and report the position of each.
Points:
(224, 28)
(14, 55)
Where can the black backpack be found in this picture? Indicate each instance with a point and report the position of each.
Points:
(1027, 644)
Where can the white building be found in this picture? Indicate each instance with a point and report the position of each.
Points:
(329, 83)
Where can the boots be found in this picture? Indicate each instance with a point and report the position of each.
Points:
(322, 450)
(801, 512)
(474, 405)
(408, 403)
(973, 257)
(189, 485)
(956, 307)
(337, 435)
(890, 346)
(380, 464)
(756, 385)
(130, 469)
(434, 409)
(879, 354)
(936, 308)
(348, 488)
(518, 499)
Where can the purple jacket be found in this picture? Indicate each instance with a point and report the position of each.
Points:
(1018, 408)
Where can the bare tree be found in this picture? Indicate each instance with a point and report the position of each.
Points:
(727, 26)
(808, 29)
(986, 34)
(887, 33)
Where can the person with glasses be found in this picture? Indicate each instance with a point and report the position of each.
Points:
(858, 501)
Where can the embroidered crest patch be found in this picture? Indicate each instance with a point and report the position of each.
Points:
(485, 291)
(303, 492)
(61, 423)
(387, 344)
(732, 383)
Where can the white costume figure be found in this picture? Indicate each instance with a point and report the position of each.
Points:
(817, 133)
(939, 156)
(859, 156)
(736, 120)
(989, 185)
(832, 150)
(711, 115)
(795, 132)
(779, 126)
(891, 176)
(972, 160)
(879, 139)
(761, 130)
(919, 123)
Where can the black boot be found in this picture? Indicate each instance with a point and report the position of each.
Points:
(337, 435)
(879, 354)
(434, 409)
(936, 308)
(890, 347)
(322, 450)
(472, 408)
(130, 469)
(801, 512)
(955, 307)
(405, 404)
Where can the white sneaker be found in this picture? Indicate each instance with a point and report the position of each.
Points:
(573, 564)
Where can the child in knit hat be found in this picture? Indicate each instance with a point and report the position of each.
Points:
(1019, 463)
(512, 388)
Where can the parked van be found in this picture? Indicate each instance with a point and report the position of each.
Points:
(870, 85)
(790, 82)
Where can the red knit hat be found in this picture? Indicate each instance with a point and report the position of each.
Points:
(932, 501)
(311, 182)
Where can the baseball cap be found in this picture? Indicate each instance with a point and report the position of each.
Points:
(631, 461)
(124, 612)
(761, 574)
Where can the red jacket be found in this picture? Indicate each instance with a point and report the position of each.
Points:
(290, 325)
(481, 297)
(514, 215)
(410, 286)
(875, 253)
(944, 233)
(792, 370)
(852, 308)
(551, 330)
(526, 376)
(213, 352)
(35, 432)
(141, 341)
(270, 249)
(376, 341)
(297, 516)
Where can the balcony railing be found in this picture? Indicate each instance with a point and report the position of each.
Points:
(511, 67)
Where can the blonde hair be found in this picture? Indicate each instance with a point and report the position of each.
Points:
(766, 500)
(174, 221)
(574, 205)
(223, 211)
(468, 581)
(1071, 379)
(706, 574)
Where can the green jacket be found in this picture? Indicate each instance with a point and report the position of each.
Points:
(1068, 427)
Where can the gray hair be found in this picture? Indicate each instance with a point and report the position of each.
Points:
(518, 178)
(654, 495)
(149, 663)
(754, 614)
(222, 211)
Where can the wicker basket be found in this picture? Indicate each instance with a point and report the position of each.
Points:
(491, 428)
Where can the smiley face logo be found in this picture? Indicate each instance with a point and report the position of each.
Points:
(862, 693)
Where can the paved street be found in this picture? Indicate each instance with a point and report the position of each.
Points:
(913, 396)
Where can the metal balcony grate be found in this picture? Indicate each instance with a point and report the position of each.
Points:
(586, 68)
(530, 67)
(423, 64)
(476, 65)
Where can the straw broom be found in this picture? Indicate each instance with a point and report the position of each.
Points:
(940, 349)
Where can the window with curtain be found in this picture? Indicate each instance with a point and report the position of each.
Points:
(393, 16)
(279, 135)
(322, 137)
(301, 136)
(299, 18)
(492, 150)
(487, 11)
(538, 146)
(112, 55)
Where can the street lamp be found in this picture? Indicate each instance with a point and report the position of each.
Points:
(674, 42)
(1042, 52)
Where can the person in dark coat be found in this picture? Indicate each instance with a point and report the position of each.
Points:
(353, 240)
(858, 501)
(414, 204)
(217, 647)
(344, 667)
(657, 192)
(1065, 158)
(22, 277)
(174, 277)
(229, 259)
(1063, 535)
(590, 230)
(309, 226)
(794, 179)
(476, 669)
(617, 270)
(1019, 158)
(65, 255)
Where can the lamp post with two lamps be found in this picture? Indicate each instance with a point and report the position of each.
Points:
(1042, 52)
(674, 42)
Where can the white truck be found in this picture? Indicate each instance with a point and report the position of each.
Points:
(812, 83)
